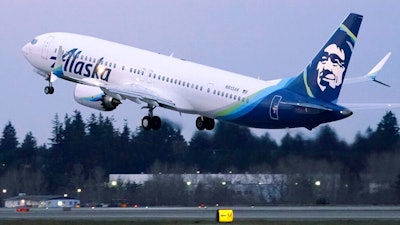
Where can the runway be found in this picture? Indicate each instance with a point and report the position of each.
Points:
(209, 214)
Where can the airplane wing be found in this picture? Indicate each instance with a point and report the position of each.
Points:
(371, 76)
(137, 93)
(134, 92)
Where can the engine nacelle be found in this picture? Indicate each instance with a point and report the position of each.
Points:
(94, 97)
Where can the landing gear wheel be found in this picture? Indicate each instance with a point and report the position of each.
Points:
(49, 90)
(156, 123)
(205, 123)
(210, 123)
(150, 121)
(147, 122)
(200, 123)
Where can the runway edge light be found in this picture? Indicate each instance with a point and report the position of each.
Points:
(224, 215)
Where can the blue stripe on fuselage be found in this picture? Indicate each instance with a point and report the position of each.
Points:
(244, 108)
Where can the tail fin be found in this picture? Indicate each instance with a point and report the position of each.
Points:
(323, 77)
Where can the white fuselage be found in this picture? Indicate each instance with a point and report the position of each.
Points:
(107, 73)
(192, 87)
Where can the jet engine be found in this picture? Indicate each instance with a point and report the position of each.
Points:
(94, 97)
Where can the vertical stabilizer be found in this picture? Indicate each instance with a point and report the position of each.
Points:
(323, 77)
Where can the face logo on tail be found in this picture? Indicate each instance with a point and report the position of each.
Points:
(326, 73)
(331, 67)
(323, 77)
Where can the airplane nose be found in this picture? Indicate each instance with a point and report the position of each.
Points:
(26, 49)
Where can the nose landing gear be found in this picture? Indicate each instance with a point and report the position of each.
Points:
(49, 90)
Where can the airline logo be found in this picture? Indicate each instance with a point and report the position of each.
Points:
(324, 77)
(74, 64)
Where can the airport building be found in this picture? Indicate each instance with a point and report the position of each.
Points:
(40, 201)
(269, 186)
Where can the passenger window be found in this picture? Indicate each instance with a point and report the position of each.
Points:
(214, 92)
(123, 67)
(85, 58)
(167, 79)
(197, 86)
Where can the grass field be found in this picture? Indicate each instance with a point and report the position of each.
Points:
(180, 222)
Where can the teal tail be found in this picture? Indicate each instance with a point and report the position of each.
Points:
(323, 77)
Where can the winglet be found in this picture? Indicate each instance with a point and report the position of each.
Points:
(57, 71)
(374, 72)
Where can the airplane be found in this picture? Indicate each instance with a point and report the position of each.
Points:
(107, 73)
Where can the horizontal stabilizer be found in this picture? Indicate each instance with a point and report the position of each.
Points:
(307, 105)
(368, 106)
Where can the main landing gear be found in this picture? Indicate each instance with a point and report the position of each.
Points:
(150, 121)
(154, 122)
(203, 122)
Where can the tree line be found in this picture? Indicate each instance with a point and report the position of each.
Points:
(82, 153)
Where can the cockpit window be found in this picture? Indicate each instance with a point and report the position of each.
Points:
(34, 41)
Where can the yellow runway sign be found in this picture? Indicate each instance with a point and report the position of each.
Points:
(225, 215)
